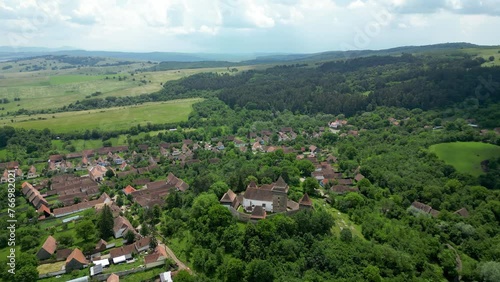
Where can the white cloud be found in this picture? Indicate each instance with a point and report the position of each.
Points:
(245, 25)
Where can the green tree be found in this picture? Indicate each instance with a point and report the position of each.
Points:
(129, 237)
(105, 223)
(310, 185)
(305, 167)
(219, 188)
(259, 271)
(346, 235)
(490, 271)
(65, 240)
(85, 229)
(372, 273)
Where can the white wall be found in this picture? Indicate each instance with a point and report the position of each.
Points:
(249, 203)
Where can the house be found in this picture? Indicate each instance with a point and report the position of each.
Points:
(129, 189)
(341, 189)
(5, 176)
(166, 277)
(113, 278)
(32, 172)
(76, 260)
(122, 226)
(420, 207)
(97, 172)
(123, 251)
(359, 177)
(101, 245)
(48, 249)
(313, 149)
(142, 244)
(157, 257)
(463, 212)
(104, 198)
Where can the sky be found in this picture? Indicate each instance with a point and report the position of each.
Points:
(246, 26)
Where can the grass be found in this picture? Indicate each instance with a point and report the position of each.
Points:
(466, 157)
(485, 53)
(109, 119)
(50, 267)
(48, 89)
(63, 79)
(148, 275)
(341, 220)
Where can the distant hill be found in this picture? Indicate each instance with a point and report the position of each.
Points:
(177, 59)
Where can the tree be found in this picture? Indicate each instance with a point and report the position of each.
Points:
(491, 58)
(219, 188)
(184, 276)
(346, 234)
(231, 270)
(259, 271)
(85, 229)
(372, 273)
(310, 185)
(490, 271)
(305, 167)
(129, 237)
(110, 173)
(65, 240)
(106, 223)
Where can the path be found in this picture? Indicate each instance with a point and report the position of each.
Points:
(458, 260)
(174, 257)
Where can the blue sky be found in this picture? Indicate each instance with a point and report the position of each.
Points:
(246, 26)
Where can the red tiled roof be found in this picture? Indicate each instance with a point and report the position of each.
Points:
(129, 189)
(50, 245)
(78, 256)
(113, 278)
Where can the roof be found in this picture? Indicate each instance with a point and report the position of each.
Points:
(113, 278)
(63, 254)
(228, 197)
(166, 277)
(359, 177)
(122, 251)
(101, 243)
(50, 245)
(143, 243)
(129, 189)
(120, 222)
(305, 200)
(258, 194)
(463, 212)
(78, 256)
(258, 213)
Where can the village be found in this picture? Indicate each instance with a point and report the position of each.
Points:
(71, 185)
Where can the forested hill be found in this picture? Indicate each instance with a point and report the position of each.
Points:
(352, 85)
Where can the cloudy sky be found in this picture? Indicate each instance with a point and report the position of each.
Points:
(246, 26)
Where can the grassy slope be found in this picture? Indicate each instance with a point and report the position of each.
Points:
(49, 89)
(109, 119)
(466, 157)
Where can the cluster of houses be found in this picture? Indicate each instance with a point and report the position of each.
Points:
(421, 208)
(75, 259)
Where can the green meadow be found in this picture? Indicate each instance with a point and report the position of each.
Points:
(466, 157)
(108, 119)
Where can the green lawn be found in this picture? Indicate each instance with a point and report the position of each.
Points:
(486, 53)
(109, 119)
(148, 275)
(466, 157)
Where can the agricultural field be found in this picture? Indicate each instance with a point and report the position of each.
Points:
(108, 119)
(486, 53)
(466, 157)
(48, 89)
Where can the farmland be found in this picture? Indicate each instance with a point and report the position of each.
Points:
(108, 119)
(466, 157)
(48, 89)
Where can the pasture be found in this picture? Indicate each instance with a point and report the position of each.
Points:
(48, 89)
(108, 119)
(466, 157)
(486, 53)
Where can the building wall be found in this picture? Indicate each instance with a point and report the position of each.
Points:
(42, 254)
(249, 203)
